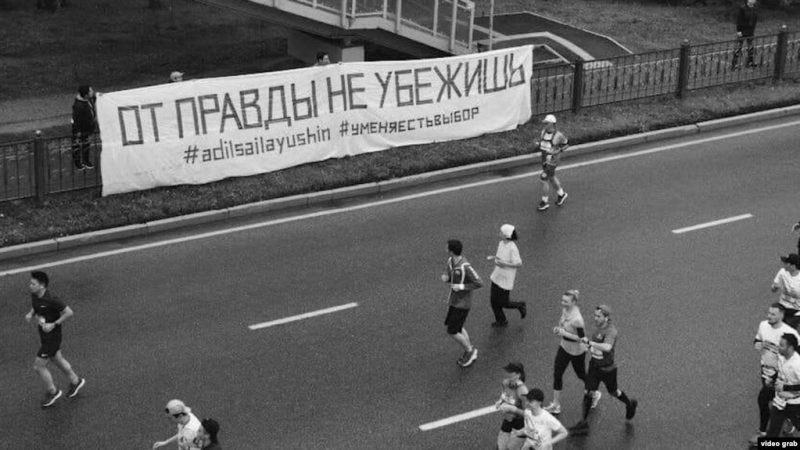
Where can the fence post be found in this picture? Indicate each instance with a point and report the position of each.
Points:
(577, 86)
(683, 68)
(39, 167)
(780, 53)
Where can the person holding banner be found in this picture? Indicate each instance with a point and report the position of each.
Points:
(551, 144)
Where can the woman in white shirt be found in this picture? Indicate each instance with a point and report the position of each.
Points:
(787, 283)
(506, 262)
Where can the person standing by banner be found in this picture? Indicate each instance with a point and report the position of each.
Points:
(551, 144)
(506, 262)
(83, 124)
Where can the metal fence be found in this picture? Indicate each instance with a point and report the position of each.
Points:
(40, 166)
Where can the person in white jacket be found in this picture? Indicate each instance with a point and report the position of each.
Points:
(542, 430)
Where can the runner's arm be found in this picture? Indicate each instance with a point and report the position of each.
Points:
(66, 313)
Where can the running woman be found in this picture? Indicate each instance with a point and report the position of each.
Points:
(510, 403)
(767, 342)
(506, 262)
(551, 144)
(542, 430)
(571, 330)
(602, 368)
(48, 312)
(463, 279)
(787, 283)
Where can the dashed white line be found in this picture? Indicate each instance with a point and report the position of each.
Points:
(307, 315)
(712, 223)
(458, 418)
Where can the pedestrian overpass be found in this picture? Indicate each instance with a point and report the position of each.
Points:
(420, 28)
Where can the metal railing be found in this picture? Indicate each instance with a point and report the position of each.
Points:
(39, 166)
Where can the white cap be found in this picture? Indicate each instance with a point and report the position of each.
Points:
(549, 119)
(507, 230)
(175, 76)
(177, 407)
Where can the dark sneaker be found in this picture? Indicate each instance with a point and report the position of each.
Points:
(630, 409)
(561, 199)
(523, 310)
(79, 165)
(463, 358)
(88, 165)
(49, 399)
(543, 205)
(579, 428)
(472, 356)
(499, 324)
(74, 388)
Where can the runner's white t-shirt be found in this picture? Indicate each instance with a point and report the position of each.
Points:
(540, 428)
(508, 252)
(770, 337)
(187, 434)
(789, 287)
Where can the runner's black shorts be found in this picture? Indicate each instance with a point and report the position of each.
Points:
(49, 347)
(455, 319)
(548, 170)
(606, 375)
(517, 423)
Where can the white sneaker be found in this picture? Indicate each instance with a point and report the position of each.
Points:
(596, 398)
(553, 408)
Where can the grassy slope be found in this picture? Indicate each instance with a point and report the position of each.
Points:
(75, 212)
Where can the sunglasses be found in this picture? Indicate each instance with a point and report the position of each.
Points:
(175, 415)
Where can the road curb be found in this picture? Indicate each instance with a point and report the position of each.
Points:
(373, 188)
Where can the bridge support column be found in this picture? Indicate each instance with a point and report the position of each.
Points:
(305, 46)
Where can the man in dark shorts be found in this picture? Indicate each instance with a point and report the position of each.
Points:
(48, 313)
(463, 279)
(602, 368)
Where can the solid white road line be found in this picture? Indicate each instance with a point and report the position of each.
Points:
(387, 201)
(458, 418)
(319, 312)
(712, 224)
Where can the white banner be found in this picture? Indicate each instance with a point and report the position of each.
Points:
(199, 131)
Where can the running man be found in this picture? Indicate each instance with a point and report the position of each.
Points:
(767, 342)
(786, 404)
(463, 280)
(571, 330)
(48, 313)
(551, 144)
(787, 283)
(188, 435)
(542, 430)
(506, 262)
(602, 368)
(510, 403)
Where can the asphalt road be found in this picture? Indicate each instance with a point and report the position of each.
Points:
(172, 321)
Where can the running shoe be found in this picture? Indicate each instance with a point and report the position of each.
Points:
(74, 388)
(596, 398)
(579, 428)
(543, 205)
(561, 199)
(553, 408)
(754, 440)
(473, 355)
(51, 398)
(630, 409)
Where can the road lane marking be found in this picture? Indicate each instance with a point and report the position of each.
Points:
(307, 315)
(459, 418)
(328, 212)
(712, 223)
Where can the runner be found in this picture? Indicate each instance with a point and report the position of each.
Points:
(463, 280)
(510, 403)
(48, 313)
(787, 283)
(209, 428)
(786, 404)
(542, 430)
(767, 343)
(571, 330)
(188, 427)
(506, 262)
(602, 368)
(551, 144)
